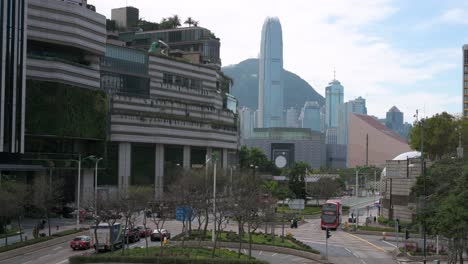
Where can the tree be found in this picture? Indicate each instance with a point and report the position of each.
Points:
(324, 188)
(170, 22)
(162, 209)
(47, 194)
(440, 135)
(190, 22)
(13, 198)
(296, 179)
(256, 158)
(147, 25)
(443, 211)
(279, 193)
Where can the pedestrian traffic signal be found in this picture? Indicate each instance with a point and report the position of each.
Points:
(407, 234)
(328, 233)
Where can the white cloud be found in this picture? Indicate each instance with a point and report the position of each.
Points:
(318, 36)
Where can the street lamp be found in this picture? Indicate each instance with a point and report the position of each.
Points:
(96, 159)
(213, 158)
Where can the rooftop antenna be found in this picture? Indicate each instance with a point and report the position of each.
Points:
(334, 73)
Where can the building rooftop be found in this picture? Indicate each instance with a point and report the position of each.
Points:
(394, 109)
(379, 126)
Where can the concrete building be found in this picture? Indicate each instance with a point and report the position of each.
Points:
(333, 99)
(126, 18)
(284, 146)
(465, 82)
(311, 116)
(271, 83)
(292, 117)
(357, 106)
(12, 78)
(371, 142)
(397, 179)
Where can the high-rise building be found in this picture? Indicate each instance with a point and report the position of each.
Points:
(465, 81)
(310, 116)
(270, 96)
(357, 106)
(246, 122)
(125, 17)
(394, 120)
(13, 76)
(292, 117)
(333, 99)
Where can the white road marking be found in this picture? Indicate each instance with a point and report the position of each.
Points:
(57, 248)
(355, 255)
(274, 254)
(296, 259)
(63, 261)
(260, 253)
(363, 262)
(245, 251)
(389, 243)
(44, 256)
(348, 250)
(27, 261)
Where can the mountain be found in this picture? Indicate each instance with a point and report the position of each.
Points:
(245, 88)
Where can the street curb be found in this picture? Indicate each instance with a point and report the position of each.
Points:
(379, 233)
(282, 250)
(37, 246)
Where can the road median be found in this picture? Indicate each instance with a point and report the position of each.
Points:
(51, 241)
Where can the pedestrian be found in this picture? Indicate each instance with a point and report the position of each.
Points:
(292, 223)
(375, 219)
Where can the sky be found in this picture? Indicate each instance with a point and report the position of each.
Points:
(402, 53)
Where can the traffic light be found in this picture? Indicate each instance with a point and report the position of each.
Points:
(407, 234)
(328, 233)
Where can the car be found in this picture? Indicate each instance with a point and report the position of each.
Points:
(159, 234)
(144, 232)
(132, 234)
(81, 242)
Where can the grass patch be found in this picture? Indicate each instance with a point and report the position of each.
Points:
(37, 240)
(183, 252)
(10, 233)
(160, 260)
(257, 238)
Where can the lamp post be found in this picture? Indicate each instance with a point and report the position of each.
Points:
(357, 182)
(78, 193)
(214, 159)
(96, 159)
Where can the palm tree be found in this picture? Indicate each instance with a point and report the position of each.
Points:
(175, 21)
(189, 21)
(195, 23)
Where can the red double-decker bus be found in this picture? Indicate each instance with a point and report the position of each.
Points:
(331, 214)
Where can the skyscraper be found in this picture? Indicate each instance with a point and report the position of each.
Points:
(310, 116)
(246, 122)
(465, 81)
(270, 96)
(357, 106)
(333, 99)
(394, 119)
(292, 117)
(12, 76)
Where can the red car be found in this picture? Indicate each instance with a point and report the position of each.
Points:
(81, 242)
(144, 232)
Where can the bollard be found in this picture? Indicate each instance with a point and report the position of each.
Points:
(384, 235)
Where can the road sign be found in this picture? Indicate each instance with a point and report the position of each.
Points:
(296, 204)
(183, 213)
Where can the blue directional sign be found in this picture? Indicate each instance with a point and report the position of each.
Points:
(183, 213)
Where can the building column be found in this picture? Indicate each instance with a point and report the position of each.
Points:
(159, 173)
(224, 158)
(125, 153)
(209, 152)
(87, 187)
(186, 160)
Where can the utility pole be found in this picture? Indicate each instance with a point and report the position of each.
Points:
(357, 182)
(425, 194)
(367, 150)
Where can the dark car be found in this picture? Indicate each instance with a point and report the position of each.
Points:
(81, 242)
(160, 234)
(144, 232)
(133, 235)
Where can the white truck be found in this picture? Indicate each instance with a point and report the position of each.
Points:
(106, 236)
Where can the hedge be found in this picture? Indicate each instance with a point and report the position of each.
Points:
(160, 260)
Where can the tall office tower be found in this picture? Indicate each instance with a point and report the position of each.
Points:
(357, 106)
(270, 96)
(310, 116)
(465, 81)
(125, 17)
(13, 76)
(246, 122)
(394, 120)
(333, 99)
(292, 117)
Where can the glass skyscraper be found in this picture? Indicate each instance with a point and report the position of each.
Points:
(270, 96)
(333, 99)
(310, 116)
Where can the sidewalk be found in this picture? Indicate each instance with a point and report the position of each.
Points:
(28, 225)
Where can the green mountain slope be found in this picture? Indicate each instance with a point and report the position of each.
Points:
(245, 89)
